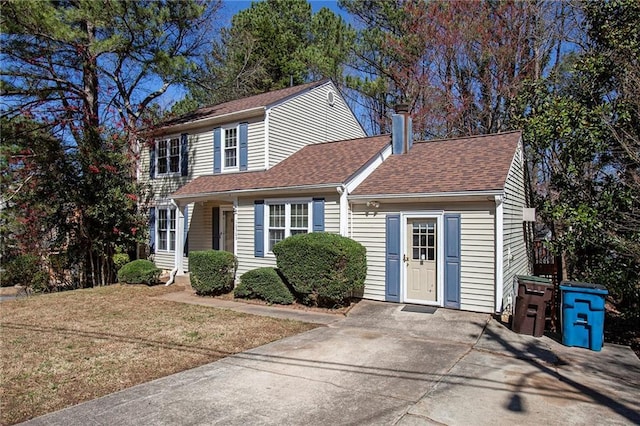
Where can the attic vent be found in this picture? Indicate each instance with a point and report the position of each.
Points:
(331, 97)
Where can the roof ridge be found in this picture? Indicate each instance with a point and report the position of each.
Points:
(469, 137)
(310, 84)
(345, 140)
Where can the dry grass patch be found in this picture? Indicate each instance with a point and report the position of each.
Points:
(61, 349)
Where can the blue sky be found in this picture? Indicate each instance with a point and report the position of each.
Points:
(230, 8)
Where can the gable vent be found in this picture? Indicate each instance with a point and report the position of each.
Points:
(331, 97)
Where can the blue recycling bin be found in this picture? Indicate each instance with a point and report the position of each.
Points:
(583, 314)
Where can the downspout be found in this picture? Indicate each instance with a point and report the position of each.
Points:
(344, 209)
(499, 200)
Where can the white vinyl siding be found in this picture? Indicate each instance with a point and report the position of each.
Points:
(201, 227)
(245, 228)
(255, 141)
(477, 271)
(516, 261)
(245, 242)
(477, 222)
(201, 158)
(307, 119)
(369, 230)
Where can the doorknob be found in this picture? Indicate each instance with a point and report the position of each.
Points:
(405, 258)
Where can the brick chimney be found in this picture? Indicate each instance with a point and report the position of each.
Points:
(401, 130)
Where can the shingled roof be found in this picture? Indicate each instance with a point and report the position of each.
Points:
(261, 100)
(478, 163)
(328, 163)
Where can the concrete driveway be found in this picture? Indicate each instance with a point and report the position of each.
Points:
(383, 365)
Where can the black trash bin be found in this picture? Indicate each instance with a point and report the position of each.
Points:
(531, 303)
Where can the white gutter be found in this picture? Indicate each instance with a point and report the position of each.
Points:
(235, 192)
(490, 193)
(499, 252)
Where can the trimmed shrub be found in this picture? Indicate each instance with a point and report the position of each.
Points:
(265, 284)
(212, 271)
(120, 259)
(139, 271)
(322, 268)
(26, 270)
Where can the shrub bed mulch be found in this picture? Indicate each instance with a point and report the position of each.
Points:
(295, 305)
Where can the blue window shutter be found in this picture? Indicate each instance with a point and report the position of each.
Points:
(318, 215)
(393, 261)
(184, 154)
(185, 233)
(215, 238)
(217, 153)
(452, 261)
(152, 230)
(258, 231)
(152, 161)
(244, 149)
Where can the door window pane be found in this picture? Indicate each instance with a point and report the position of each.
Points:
(423, 240)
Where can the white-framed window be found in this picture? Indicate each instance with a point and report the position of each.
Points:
(166, 217)
(168, 156)
(286, 218)
(230, 148)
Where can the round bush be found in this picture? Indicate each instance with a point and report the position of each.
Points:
(139, 271)
(265, 284)
(212, 271)
(323, 268)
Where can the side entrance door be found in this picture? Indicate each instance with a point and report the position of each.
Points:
(420, 260)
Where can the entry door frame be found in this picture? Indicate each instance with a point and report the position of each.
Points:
(438, 215)
(223, 232)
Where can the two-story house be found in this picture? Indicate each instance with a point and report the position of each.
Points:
(231, 142)
(442, 221)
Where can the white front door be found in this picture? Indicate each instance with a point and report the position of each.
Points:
(420, 260)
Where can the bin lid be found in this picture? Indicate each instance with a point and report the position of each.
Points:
(585, 287)
(533, 279)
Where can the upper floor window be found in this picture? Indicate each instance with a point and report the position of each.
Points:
(231, 147)
(168, 156)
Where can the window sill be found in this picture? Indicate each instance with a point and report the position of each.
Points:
(166, 175)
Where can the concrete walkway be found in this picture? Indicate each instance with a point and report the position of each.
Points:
(382, 365)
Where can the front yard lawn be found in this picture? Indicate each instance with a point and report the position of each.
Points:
(64, 348)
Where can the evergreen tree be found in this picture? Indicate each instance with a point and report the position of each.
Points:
(270, 45)
(89, 72)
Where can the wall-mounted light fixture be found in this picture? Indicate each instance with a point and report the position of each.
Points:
(373, 204)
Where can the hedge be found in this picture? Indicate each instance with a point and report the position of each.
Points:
(139, 271)
(265, 284)
(212, 271)
(322, 268)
